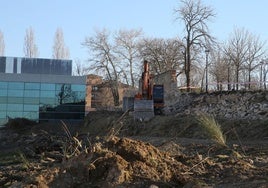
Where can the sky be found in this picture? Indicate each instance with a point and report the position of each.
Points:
(80, 18)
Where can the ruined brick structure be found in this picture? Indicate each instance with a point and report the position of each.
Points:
(169, 80)
(99, 95)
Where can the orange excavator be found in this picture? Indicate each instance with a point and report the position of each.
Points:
(150, 99)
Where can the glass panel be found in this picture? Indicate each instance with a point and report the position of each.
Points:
(32, 86)
(81, 96)
(9, 65)
(47, 94)
(14, 114)
(16, 85)
(3, 100)
(31, 115)
(50, 101)
(31, 100)
(15, 93)
(47, 86)
(3, 85)
(3, 92)
(31, 108)
(76, 87)
(31, 93)
(15, 107)
(3, 107)
(59, 87)
(3, 115)
(46, 107)
(68, 100)
(19, 65)
(15, 100)
(64, 94)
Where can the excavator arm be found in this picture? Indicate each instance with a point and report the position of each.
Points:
(150, 98)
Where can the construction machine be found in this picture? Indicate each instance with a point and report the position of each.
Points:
(150, 99)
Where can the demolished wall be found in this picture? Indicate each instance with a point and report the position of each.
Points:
(231, 105)
(169, 80)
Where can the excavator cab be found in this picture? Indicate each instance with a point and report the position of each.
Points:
(158, 98)
(150, 100)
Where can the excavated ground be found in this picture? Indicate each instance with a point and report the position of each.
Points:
(110, 149)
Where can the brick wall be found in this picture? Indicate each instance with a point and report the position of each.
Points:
(99, 95)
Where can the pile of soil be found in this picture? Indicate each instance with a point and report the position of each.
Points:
(110, 149)
(119, 162)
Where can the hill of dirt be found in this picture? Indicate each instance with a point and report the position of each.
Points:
(110, 149)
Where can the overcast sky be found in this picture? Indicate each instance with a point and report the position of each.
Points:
(79, 18)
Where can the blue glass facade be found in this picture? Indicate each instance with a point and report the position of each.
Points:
(41, 101)
(40, 89)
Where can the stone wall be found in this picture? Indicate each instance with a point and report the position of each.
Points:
(231, 105)
(169, 80)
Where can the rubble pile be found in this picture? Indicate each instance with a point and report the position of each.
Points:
(230, 105)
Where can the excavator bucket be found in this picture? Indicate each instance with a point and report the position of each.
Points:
(143, 109)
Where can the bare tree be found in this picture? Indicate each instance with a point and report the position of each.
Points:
(218, 68)
(164, 54)
(264, 73)
(127, 50)
(255, 52)
(79, 68)
(30, 48)
(103, 59)
(65, 94)
(236, 50)
(60, 50)
(195, 17)
(2, 44)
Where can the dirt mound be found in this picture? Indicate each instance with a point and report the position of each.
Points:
(113, 150)
(119, 162)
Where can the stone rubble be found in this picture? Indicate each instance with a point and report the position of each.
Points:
(249, 105)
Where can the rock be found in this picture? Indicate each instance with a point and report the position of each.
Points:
(238, 105)
(153, 186)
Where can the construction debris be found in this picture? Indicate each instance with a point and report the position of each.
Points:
(113, 150)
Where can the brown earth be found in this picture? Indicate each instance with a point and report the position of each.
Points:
(110, 149)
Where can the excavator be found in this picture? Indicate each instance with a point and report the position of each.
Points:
(150, 100)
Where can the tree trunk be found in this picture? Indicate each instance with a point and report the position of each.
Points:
(237, 76)
(115, 92)
(131, 75)
(188, 67)
(249, 77)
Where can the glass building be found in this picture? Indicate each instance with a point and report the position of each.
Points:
(40, 89)
(18, 65)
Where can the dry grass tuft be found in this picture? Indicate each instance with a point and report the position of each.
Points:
(212, 128)
(73, 146)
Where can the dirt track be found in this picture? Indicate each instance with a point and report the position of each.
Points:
(111, 150)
